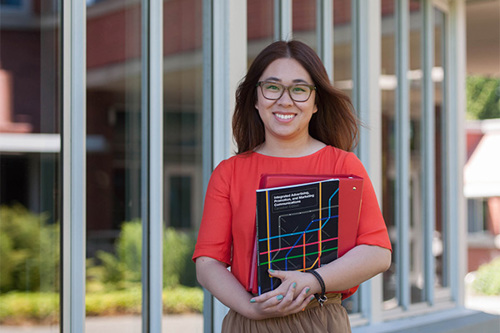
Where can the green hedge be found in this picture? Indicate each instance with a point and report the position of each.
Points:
(120, 270)
(487, 279)
(29, 249)
(23, 308)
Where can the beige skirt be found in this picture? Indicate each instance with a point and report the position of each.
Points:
(330, 318)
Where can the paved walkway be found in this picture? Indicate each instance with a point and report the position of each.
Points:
(192, 323)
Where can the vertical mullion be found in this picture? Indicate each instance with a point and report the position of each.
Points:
(456, 155)
(152, 164)
(324, 27)
(366, 60)
(283, 20)
(428, 158)
(229, 65)
(74, 166)
(402, 153)
(445, 165)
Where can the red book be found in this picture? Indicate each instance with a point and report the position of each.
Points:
(349, 203)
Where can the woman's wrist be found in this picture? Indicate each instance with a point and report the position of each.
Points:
(320, 296)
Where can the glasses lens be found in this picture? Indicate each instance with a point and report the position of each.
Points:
(272, 90)
(300, 93)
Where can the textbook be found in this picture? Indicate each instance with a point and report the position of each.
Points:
(302, 222)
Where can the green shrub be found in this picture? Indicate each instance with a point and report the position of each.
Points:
(6, 262)
(183, 300)
(22, 308)
(124, 268)
(127, 301)
(29, 251)
(177, 265)
(129, 249)
(487, 279)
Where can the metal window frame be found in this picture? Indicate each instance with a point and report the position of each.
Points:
(73, 137)
(366, 25)
(428, 152)
(152, 164)
(225, 61)
(324, 30)
(402, 186)
(456, 206)
(283, 29)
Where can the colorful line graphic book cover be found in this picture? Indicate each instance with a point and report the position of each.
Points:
(298, 223)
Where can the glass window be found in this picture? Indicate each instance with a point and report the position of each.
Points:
(342, 49)
(260, 26)
(416, 230)
(183, 181)
(304, 22)
(30, 189)
(388, 87)
(441, 109)
(114, 164)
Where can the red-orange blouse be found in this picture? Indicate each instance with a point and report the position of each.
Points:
(227, 228)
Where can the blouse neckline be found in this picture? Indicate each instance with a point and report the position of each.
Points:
(317, 152)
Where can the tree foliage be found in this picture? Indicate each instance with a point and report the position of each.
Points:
(483, 97)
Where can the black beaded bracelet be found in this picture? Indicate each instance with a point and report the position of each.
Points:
(321, 298)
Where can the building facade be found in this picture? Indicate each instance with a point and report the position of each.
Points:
(115, 111)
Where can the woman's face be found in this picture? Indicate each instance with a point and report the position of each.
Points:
(284, 118)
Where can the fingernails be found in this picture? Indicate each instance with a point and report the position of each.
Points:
(279, 297)
(294, 285)
(312, 298)
(271, 270)
(252, 301)
(307, 290)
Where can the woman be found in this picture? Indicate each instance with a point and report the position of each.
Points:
(288, 119)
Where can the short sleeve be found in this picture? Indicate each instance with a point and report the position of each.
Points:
(372, 229)
(214, 237)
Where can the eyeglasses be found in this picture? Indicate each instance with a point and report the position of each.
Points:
(298, 92)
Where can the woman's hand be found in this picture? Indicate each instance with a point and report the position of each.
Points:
(292, 296)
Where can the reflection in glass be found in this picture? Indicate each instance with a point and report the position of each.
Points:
(260, 26)
(114, 164)
(342, 49)
(29, 166)
(183, 182)
(343, 80)
(440, 231)
(417, 278)
(304, 22)
(388, 97)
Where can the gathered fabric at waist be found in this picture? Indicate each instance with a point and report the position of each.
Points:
(331, 317)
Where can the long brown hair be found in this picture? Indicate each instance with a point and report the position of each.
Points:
(334, 124)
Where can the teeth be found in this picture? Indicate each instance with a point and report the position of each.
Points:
(284, 116)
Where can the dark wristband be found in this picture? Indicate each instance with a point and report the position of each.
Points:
(321, 298)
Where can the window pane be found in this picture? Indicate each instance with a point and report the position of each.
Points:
(260, 26)
(388, 97)
(113, 165)
(440, 230)
(29, 166)
(304, 22)
(342, 49)
(343, 80)
(183, 181)
(416, 174)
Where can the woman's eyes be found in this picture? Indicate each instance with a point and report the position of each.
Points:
(298, 89)
(273, 87)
